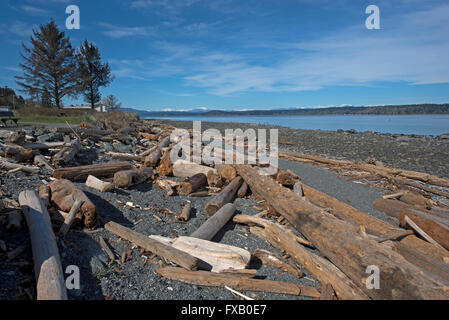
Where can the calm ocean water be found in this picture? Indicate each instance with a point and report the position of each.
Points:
(407, 124)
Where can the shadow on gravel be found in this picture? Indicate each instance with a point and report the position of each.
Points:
(143, 187)
(107, 211)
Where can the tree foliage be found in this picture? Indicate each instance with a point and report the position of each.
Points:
(92, 73)
(111, 102)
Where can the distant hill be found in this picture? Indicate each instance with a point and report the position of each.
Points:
(375, 110)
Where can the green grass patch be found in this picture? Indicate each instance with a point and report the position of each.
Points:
(51, 119)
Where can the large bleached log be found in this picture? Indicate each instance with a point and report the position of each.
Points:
(205, 278)
(215, 257)
(152, 159)
(214, 224)
(129, 178)
(10, 166)
(377, 226)
(192, 184)
(341, 243)
(47, 263)
(225, 196)
(98, 184)
(64, 194)
(165, 167)
(101, 170)
(167, 252)
(67, 153)
(318, 266)
(185, 169)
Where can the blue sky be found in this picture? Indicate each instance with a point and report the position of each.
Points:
(251, 54)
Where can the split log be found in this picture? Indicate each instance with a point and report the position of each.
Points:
(373, 224)
(47, 264)
(11, 166)
(98, 184)
(214, 180)
(205, 278)
(152, 159)
(64, 194)
(192, 184)
(225, 196)
(318, 266)
(185, 169)
(212, 256)
(66, 154)
(101, 170)
(44, 194)
(214, 224)
(227, 172)
(158, 248)
(185, 213)
(129, 178)
(70, 217)
(165, 185)
(41, 161)
(14, 221)
(437, 229)
(243, 190)
(287, 178)
(165, 167)
(271, 259)
(341, 244)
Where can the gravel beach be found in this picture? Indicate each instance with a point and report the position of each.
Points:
(136, 279)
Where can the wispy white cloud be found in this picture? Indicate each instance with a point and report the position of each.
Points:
(115, 31)
(34, 10)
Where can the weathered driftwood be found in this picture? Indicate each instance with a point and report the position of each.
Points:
(165, 167)
(70, 217)
(101, 170)
(152, 159)
(205, 278)
(64, 194)
(227, 172)
(148, 136)
(47, 264)
(192, 184)
(166, 186)
(225, 196)
(436, 228)
(185, 212)
(129, 178)
(67, 153)
(11, 166)
(416, 200)
(318, 266)
(124, 156)
(287, 178)
(214, 180)
(243, 190)
(98, 184)
(214, 224)
(373, 224)
(41, 161)
(297, 187)
(270, 259)
(215, 257)
(185, 169)
(17, 137)
(327, 292)
(18, 153)
(341, 243)
(158, 248)
(104, 246)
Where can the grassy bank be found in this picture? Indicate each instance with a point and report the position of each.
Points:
(50, 119)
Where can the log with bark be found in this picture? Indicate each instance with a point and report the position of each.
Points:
(225, 196)
(98, 184)
(129, 178)
(47, 263)
(167, 252)
(101, 170)
(205, 278)
(64, 195)
(214, 224)
(185, 169)
(192, 184)
(316, 265)
(67, 153)
(341, 243)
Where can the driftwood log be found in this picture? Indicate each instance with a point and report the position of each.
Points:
(214, 224)
(64, 194)
(192, 184)
(243, 190)
(225, 196)
(11, 166)
(152, 159)
(227, 172)
(129, 178)
(47, 263)
(341, 243)
(98, 184)
(185, 169)
(214, 180)
(271, 259)
(165, 167)
(165, 251)
(101, 170)
(67, 153)
(287, 178)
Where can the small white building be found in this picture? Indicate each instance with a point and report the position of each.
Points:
(99, 107)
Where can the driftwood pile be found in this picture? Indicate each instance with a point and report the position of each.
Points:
(411, 253)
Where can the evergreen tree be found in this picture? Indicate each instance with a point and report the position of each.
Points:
(49, 65)
(92, 73)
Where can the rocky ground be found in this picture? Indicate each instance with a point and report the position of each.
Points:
(154, 214)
